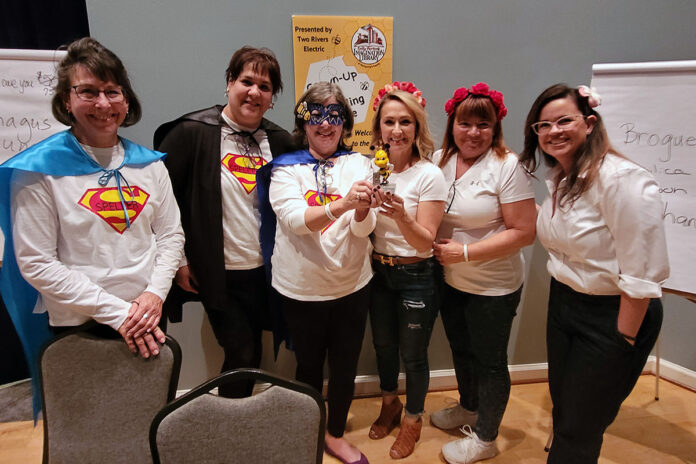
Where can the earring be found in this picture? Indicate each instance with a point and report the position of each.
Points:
(271, 106)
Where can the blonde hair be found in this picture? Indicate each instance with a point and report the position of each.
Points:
(423, 143)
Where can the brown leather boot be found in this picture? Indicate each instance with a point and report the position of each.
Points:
(389, 417)
(405, 442)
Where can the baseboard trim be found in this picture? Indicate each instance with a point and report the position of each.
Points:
(445, 379)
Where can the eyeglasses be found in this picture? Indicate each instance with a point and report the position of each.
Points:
(91, 94)
(563, 123)
(451, 193)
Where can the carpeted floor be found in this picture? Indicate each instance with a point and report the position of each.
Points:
(15, 401)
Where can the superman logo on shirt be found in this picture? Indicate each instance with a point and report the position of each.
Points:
(106, 203)
(314, 199)
(244, 168)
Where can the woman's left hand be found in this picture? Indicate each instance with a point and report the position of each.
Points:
(393, 207)
(448, 252)
(146, 316)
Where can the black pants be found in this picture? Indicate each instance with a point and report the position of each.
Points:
(336, 328)
(478, 330)
(592, 368)
(238, 328)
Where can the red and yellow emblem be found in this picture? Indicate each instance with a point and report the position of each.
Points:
(243, 168)
(313, 199)
(105, 203)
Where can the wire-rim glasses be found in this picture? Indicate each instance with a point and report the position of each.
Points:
(91, 94)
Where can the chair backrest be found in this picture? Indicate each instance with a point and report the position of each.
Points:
(285, 423)
(99, 398)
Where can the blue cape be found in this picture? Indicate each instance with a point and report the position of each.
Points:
(58, 155)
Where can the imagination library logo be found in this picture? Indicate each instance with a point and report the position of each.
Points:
(369, 45)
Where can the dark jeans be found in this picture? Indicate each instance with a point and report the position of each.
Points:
(335, 328)
(238, 328)
(592, 368)
(478, 330)
(402, 313)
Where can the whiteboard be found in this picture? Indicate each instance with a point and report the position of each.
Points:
(649, 110)
(27, 79)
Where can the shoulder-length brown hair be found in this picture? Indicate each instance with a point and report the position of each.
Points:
(105, 65)
(587, 159)
(262, 61)
(423, 143)
(477, 106)
(319, 93)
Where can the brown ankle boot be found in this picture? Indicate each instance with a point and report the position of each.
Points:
(389, 417)
(405, 442)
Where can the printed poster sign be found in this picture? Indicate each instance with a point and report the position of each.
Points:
(354, 52)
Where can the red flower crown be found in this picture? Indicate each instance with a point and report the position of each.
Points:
(477, 89)
(409, 87)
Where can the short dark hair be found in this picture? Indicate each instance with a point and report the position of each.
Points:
(105, 65)
(319, 93)
(262, 60)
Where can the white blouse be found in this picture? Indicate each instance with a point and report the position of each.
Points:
(612, 239)
(474, 213)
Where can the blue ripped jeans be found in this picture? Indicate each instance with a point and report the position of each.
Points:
(402, 313)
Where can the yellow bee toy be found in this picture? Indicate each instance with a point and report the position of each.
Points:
(384, 167)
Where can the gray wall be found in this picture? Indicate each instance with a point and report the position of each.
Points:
(177, 51)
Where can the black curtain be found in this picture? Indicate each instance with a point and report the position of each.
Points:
(40, 25)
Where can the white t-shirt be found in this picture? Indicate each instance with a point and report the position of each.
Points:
(327, 264)
(72, 245)
(612, 239)
(241, 219)
(421, 182)
(474, 214)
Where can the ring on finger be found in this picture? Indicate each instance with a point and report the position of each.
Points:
(145, 316)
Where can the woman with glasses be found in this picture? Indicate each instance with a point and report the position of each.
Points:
(94, 225)
(213, 156)
(602, 226)
(489, 217)
(321, 196)
(404, 307)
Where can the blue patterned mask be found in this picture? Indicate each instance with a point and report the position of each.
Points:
(316, 113)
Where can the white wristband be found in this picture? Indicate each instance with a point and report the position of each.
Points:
(466, 252)
(327, 211)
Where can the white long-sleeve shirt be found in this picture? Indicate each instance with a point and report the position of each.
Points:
(612, 239)
(72, 246)
(327, 264)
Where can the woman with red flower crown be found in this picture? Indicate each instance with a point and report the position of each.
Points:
(404, 293)
(489, 217)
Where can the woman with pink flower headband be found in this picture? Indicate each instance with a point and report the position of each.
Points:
(602, 226)
(489, 217)
(403, 299)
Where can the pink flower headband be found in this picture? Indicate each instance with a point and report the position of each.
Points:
(593, 97)
(409, 87)
(477, 89)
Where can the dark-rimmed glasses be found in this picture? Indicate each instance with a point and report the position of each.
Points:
(91, 94)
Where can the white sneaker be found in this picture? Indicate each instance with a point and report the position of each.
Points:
(469, 449)
(455, 416)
